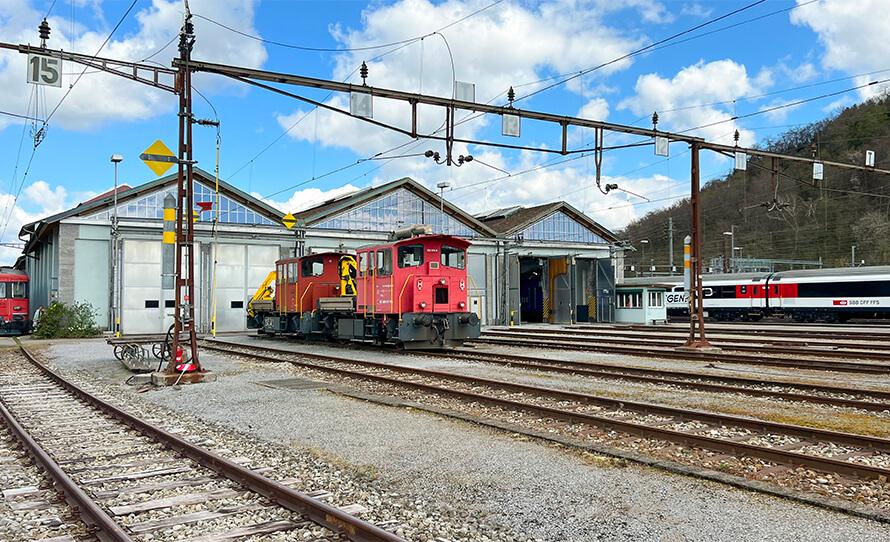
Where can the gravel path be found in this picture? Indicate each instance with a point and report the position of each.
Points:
(479, 474)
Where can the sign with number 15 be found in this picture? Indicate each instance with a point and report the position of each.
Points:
(44, 70)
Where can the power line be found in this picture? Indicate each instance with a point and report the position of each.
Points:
(641, 49)
(104, 43)
(16, 115)
(345, 49)
(48, 117)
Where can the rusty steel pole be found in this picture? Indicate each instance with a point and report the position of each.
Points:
(696, 316)
(184, 296)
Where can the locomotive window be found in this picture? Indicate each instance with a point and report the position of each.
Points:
(2, 289)
(362, 264)
(384, 261)
(18, 289)
(312, 267)
(453, 257)
(292, 273)
(410, 255)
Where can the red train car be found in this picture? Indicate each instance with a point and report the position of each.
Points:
(411, 292)
(14, 309)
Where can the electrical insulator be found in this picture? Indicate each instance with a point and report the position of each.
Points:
(511, 95)
(43, 29)
(654, 120)
(363, 71)
(735, 137)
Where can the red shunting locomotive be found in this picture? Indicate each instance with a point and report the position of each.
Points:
(410, 292)
(14, 309)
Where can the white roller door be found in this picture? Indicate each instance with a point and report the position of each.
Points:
(141, 302)
(239, 271)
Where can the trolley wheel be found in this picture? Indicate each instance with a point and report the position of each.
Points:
(160, 351)
(118, 352)
(133, 352)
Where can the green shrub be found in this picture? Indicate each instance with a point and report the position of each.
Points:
(67, 321)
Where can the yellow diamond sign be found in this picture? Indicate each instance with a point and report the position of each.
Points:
(289, 220)
(159, 157)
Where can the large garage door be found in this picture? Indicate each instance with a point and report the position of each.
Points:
(239, 271)
(142, 305)
(145, 308)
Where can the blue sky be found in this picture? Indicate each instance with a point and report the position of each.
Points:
(511, 43)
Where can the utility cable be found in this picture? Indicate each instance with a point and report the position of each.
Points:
(640, 50)
(345, 49)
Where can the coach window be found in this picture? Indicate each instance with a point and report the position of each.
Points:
(410, 255)
(18, 289)
(453, 257)
(384, 261)
(312, 267)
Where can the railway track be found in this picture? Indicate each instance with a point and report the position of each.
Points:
(864, 457)
(31, 508)
(825, 348)
(776, 329)
(797, 362)
(871, 400)
(131, 480)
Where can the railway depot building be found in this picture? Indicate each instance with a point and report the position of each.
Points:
(548, 263)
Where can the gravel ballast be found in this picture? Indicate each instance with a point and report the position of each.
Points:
(483, 476)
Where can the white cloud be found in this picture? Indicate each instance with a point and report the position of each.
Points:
(50, 200)
(699, 85)
(838, 105)
(596, 109)
(36, 201)
(506, 45)
(100, 97)
(853, 34)
(696, 10)
(308, 197)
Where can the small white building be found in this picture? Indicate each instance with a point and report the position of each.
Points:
(640, 303)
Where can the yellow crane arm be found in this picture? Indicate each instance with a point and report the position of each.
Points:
(263, 293)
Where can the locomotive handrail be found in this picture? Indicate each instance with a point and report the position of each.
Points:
(402, 291)
(300, 302)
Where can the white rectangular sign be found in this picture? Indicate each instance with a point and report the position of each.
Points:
(661, 146)
(44, 70)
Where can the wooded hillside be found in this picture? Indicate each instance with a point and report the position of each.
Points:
(800, 218)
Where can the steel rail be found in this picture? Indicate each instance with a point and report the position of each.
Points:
(777, 330)
(819, 342)
(690, 355)
(662, 332)
(324, 514)
(670, 342)
(885, 395)
(657, 376)
(771, 454)
(93, 515)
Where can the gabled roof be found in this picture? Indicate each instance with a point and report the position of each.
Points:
(341, 204)
(35, 229)
(512, 220)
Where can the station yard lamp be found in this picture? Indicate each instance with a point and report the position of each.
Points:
(115, 282)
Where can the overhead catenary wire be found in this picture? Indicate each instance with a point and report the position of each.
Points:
(45, 121)
(345, 49)
(641, 50)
